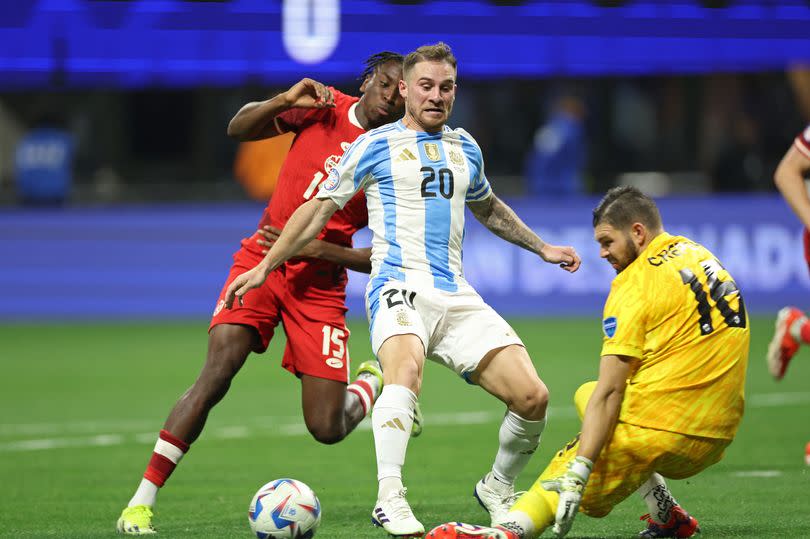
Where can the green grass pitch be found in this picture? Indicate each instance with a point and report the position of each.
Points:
(81, 405)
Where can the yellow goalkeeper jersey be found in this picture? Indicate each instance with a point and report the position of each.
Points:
(679, 312)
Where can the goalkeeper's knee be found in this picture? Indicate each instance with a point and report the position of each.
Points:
(582, 396)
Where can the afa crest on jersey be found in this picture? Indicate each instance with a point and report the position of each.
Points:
(609, 326)
(432, 151)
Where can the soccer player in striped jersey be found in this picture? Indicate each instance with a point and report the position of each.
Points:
(418, 176)
(669, 397)
(307, 296)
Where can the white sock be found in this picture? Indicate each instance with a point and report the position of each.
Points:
(795, 329)
(367, 389)
(518, 439)
(145, 495)
(659, 500)
(391, 421)
(520, 523)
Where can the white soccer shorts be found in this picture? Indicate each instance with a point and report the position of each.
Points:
(457, 329)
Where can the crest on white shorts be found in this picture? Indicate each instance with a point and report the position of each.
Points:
(403, 319)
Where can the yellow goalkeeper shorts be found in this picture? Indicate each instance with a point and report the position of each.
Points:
(630, 457)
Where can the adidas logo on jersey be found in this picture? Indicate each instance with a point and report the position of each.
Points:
(406, 155)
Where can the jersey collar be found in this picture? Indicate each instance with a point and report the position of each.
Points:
(353, 115)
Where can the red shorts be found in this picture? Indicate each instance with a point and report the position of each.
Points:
(317, 335)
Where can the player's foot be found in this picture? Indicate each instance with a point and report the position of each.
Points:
(371, 368)
(459, 530)
(394, 515)
(783, 346)
(680, 524)
(496, 497)
(418, 421)
(136, 520)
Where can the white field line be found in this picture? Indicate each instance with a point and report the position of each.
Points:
(768, 400)
(276, 426)
(757, 473)
(283, 427)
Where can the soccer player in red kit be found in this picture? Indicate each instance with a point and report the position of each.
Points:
(792, 326)
(307, 294)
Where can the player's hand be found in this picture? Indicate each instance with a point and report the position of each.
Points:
(270, 234)
(247, 281)
(570, 485)
(566, 256)
(309, 94)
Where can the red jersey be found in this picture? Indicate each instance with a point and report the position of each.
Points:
(322, 136)
(802, 142)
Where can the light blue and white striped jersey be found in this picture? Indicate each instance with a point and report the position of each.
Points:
(416, 186)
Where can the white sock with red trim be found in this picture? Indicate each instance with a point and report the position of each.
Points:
(367, 389)
(165, 457)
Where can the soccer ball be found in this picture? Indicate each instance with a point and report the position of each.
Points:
(284, 509)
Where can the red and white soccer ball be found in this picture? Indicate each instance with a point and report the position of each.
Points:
(284, 509)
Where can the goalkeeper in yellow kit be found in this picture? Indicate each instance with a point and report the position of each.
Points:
(669, 397)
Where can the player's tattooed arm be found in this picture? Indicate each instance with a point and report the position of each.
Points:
(256, 120)
(357, 259)
(494, 214)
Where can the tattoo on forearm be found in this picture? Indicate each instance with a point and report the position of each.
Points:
(504, 223)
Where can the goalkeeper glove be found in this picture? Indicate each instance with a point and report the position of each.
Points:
(570, 485)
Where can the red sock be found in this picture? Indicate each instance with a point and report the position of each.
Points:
(168, 452)
(804, 332)
(364, 392)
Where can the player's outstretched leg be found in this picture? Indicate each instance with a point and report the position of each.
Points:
(510, 376)
(792, 328)
(460, 530)
(228, 348)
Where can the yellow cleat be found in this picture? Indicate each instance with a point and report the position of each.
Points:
(136, 520)
(372, 368)
(416, 428)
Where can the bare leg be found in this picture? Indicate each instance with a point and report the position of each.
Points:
(508, 374)
(228, 348)
(330, 411)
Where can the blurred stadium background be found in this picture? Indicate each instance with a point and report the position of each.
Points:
(122, 199)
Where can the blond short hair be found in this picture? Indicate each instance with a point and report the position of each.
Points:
(440, 52)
